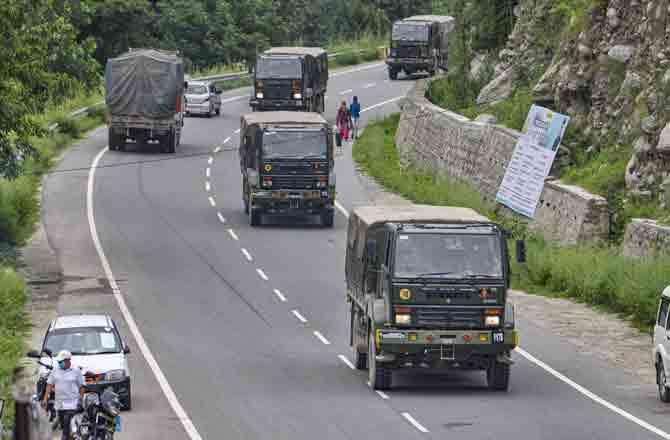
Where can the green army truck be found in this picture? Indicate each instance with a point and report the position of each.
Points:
(287, 165)
(419, 44)
(428, 290)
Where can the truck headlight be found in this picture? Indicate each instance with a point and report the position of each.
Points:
(297, 96)
(403, 318)
(259, 95)
(492, 321)
(115, 375)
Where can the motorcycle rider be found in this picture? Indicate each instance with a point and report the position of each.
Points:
(68, 384)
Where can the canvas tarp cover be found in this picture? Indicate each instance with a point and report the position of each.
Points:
(144, 83)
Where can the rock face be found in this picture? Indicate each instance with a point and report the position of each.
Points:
(612, 75)
(646, 239)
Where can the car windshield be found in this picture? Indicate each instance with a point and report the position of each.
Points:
(448, 255)
(83, 341)
(295, 144)
(280, 68)
(410, 32)
(196, 90)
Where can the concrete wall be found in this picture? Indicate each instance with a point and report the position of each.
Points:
(646, 239)
(477, 153)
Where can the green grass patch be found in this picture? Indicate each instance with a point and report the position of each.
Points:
(598, 276)
(233, 84)
(13, 329)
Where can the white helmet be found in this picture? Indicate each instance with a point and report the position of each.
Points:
(63, 355)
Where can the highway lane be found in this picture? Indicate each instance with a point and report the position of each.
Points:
(240, 359)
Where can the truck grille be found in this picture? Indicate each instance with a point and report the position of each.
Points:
(408, 52)
(448, 318)
(293, 182)
(277, 92)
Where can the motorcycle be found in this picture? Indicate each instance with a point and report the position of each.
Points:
(100, 416)
(41, 386)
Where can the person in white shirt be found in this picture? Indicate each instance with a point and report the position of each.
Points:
(68, 384)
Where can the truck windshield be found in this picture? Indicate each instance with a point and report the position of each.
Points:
(409, 32)
(280, 68)
(295, 144)
(196, 89)
(448, 255)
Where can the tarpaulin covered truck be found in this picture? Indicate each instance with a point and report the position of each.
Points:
(145, 99)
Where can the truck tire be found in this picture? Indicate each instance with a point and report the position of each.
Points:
(328, 218)
(254, 217)
(497, 376)
(393, 74)
(170, 145)
(380, 377)
(116, 142)
(360, 359)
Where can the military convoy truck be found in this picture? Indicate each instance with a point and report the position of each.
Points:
(145, 99)
(419, 44)
(427, 287)
(290, 78)
(287, 165)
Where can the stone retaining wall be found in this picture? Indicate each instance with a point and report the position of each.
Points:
(646, 239)
(477, 153)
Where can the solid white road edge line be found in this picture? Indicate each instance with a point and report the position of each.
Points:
(171, 397)
(321, 338)
(281, 297)
(247, 255)
(388, 101)
(593, 396)
(360, 69)
(234, 98)
(416, 424)
(262, 274)
(299, 316)
(233, 234)
(346, 361)
(221, 218)
(571, 383)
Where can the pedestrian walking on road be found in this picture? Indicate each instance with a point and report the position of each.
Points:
(355, 111)
(68, 384)
(343, 120)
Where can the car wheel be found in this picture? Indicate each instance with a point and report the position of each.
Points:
(380, 377)
(127, 403)
(661, 378)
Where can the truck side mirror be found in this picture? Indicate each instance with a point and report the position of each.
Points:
(520, 251)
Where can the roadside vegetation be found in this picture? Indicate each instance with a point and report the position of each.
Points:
(598, 276)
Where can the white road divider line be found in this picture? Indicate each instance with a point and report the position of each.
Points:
(299, 316)
(212, 201)
(414, 423)
(221, 218)
(208, 187)
(210, 160)
(246, 254)
(346, 92)
(226, 140)
(383, 103)
(281, 297)
(233, 99)
(262, 274)
(208, 172)
(346, 361)
(360, 69)
(321, 338)
(593, 396)
(238, 131)
(217, 150)
(169, 393)
(368, 86)
(233, 234)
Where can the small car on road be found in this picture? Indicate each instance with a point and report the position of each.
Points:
(97, 347)
(661, 350)
(203, 98)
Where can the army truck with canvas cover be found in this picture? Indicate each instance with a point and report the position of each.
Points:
(287, 165)
(145, 99)
(291, 78)
(419, 44)
(428, 290)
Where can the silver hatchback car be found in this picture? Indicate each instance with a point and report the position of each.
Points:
(203, 98)
(661, 350)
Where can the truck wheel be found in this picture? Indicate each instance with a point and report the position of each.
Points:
(497, 376)
(328, 218)
(218, 111)
(254, 217)
(246, 206)
(360, 359)
(170, 146)
(380, 377)
(661, 379)
(393, 74)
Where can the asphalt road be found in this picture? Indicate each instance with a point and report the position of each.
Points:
(248, 327)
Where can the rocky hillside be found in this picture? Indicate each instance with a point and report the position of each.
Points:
(607, 64)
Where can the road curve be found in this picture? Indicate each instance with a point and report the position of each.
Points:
(249, 326)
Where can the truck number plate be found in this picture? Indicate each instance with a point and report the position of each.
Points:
(498, 337)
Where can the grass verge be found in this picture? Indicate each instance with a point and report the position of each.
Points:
(596, 276)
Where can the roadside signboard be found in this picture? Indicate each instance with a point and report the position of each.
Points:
(531, 162)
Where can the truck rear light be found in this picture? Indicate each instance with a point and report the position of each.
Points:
(493, 312)
(267, 182)
(492, 321)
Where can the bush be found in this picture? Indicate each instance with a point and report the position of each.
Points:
(19, 209)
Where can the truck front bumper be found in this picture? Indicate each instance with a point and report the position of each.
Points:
(409, 63)
(277, 104)
(469, 349)
(292, 202)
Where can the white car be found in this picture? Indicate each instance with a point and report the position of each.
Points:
(661, 350)
(202, 98)
(97, 347)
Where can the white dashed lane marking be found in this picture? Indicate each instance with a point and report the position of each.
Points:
(208, 172)
(346, 361)
(280, 295)
(212, 201)
(217, 149)
(262, 274)
(299, 316)
(208, 187)
(246, 254)
(221, 217)
(368, 86)
(226, 140)
(346, 92)
(321, 338)
(233, 234)
(414, 423)
(210, 160)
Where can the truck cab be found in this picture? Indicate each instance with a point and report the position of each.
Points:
(290, 78)
(287, 165)
(428, 290)
(419, 43)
